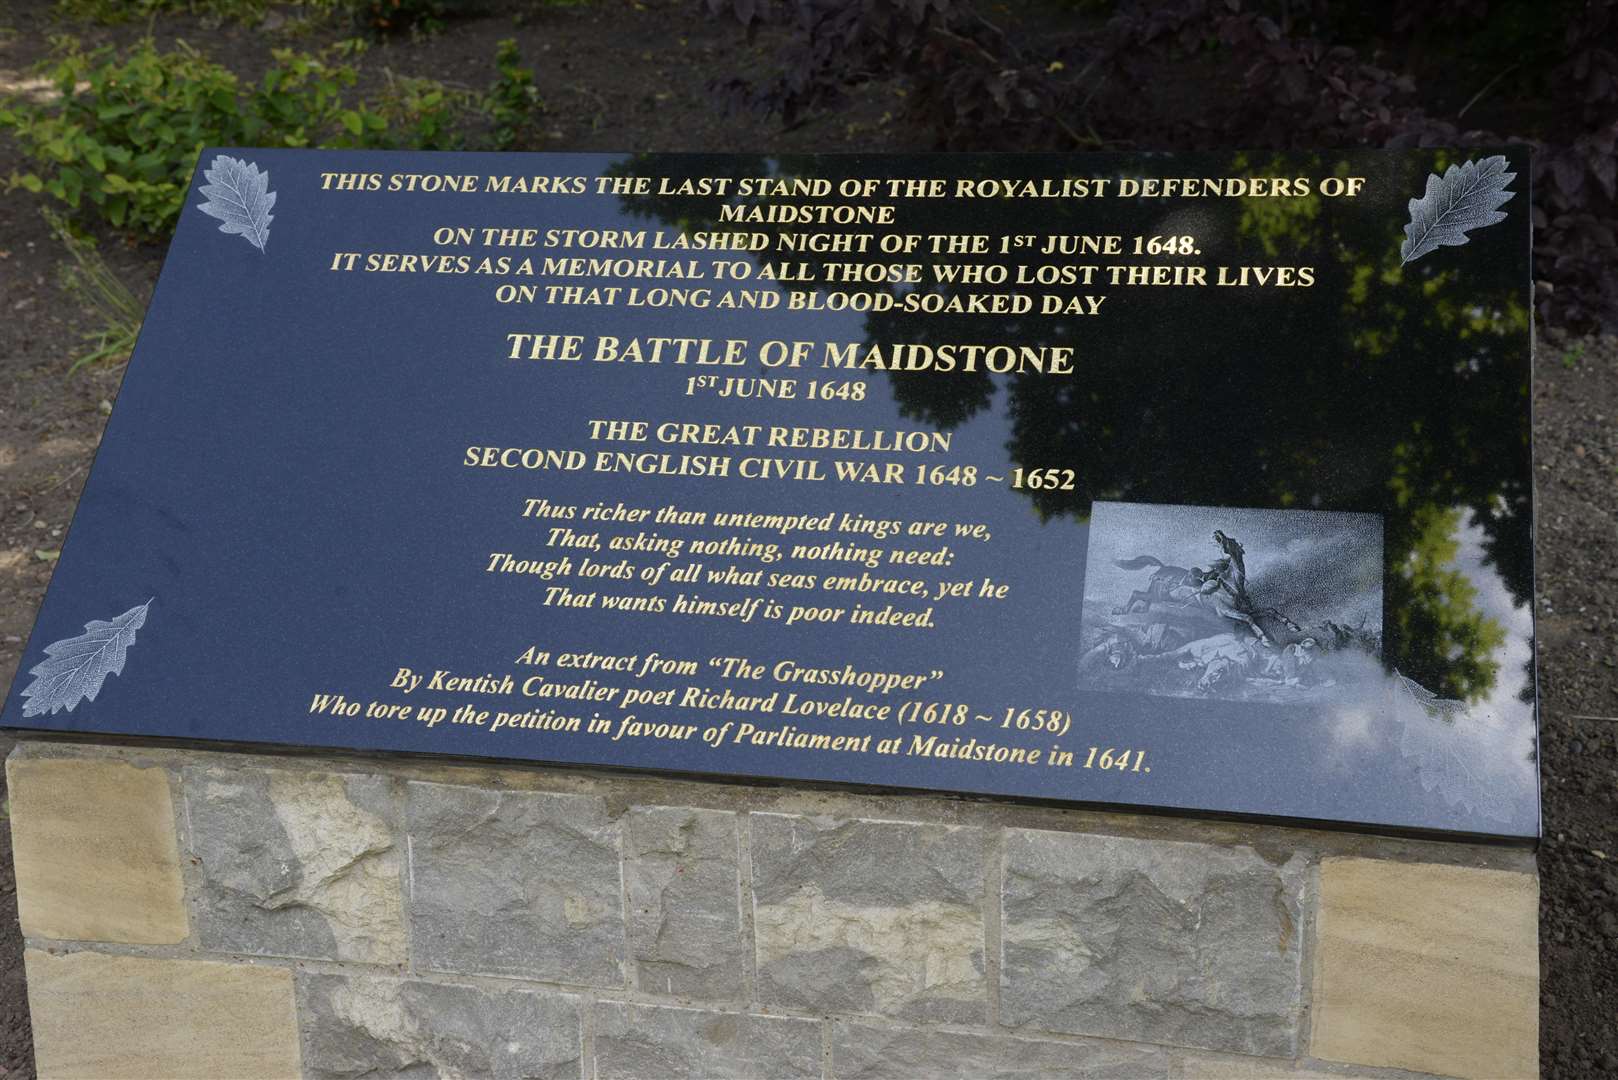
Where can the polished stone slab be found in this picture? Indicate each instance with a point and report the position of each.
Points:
(1195, 483)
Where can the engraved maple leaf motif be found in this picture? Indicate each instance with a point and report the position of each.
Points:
(74, 668)
(238, 194)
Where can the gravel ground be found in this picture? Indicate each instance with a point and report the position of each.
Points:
(1576, 456)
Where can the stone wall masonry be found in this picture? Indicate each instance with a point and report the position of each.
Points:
(196, 912)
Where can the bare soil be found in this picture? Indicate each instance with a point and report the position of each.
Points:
(635, 75)
(1576, 546)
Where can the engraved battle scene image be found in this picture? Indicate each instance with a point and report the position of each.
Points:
(1237, 604)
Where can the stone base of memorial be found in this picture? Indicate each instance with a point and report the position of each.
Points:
(211, 914)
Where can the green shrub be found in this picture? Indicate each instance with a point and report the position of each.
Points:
(117, 11)
(421, 114)
(124, 135)
(300, 101)
(122, 139)
(512, 101)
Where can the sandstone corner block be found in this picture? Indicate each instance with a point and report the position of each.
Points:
(361, 1026)
(523, 884)
(1168, 942)
(684, 902)
(97, 858)
(1428, 968)
(131, 1017)
(648, 1042)
(297, 864)
(870, 917)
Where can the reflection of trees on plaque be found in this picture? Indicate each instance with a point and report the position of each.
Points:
(1246, 605)
(1384, 389)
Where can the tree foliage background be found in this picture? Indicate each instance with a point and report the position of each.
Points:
(1274, 74)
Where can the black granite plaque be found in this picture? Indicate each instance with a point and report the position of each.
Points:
(1181, 482)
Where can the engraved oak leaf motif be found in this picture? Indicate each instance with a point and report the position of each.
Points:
(1466, 197)
(239, 195)
(1452, 758)
(74, 668)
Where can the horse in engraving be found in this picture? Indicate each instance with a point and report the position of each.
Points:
(1223, 585)
(1167, 585)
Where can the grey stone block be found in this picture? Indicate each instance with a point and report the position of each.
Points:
(865, 1052)
(685, 932)
(524, 884)
(652, 1042)
(870, 917)
(297, 864)
(1178, 943)
(361, 1026)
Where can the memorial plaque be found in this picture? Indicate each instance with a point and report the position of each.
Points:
(1196, 483)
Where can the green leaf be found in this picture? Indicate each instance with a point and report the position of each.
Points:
(72, 186)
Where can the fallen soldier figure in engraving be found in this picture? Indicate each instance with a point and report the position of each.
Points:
(1120, 648)
(1216, 659)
